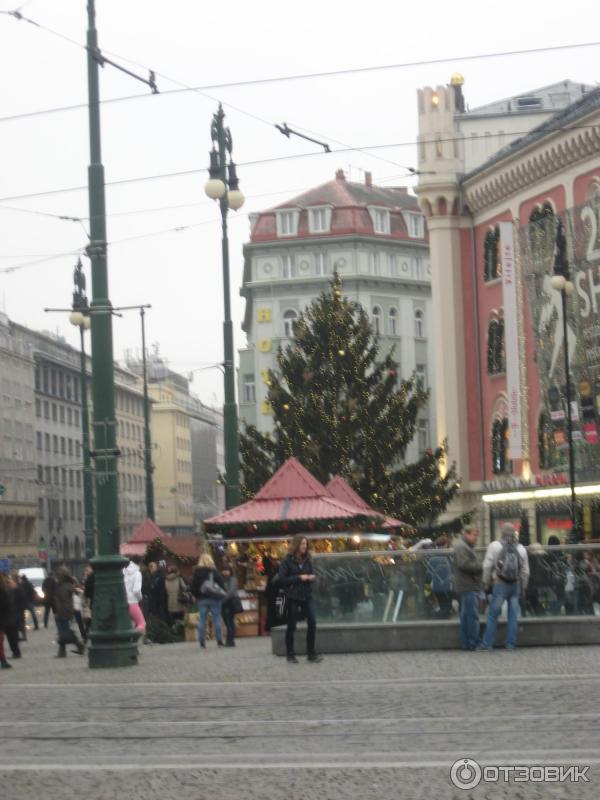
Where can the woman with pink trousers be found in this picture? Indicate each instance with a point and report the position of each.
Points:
(133, 588)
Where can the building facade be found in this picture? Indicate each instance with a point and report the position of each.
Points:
(18, 492)
(376, 239)
(497, 329)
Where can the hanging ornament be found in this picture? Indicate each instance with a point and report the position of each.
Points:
(392, 373)
(341, 352)
(286, 407)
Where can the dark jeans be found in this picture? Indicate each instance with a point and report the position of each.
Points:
(295, 608)
(80, 623)
(469, 619)
(47, 609)
(445, 602)
(229, 620)
(12, 637)
(31, 609)
(65, 632)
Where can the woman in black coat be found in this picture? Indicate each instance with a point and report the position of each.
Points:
(296, 578)
(9, 616)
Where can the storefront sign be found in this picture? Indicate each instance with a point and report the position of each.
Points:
(511, 338)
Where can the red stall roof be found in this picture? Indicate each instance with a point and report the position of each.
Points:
(338, 487)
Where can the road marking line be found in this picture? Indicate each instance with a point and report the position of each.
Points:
(470, 679)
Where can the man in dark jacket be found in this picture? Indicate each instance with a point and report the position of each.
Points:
(63, 613)
(30, 598)
(49, 590)
(468, 570)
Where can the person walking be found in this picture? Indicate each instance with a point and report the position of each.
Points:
(506, 569)
(231, 604)
(467, 585)
(30, 596)
(18, 595)
(174, 586)
(296, 577)
(63, 613)
(132, 578)
(157, 595)
(49, 590)
(9, 622)
(88, 599)
(208, 587)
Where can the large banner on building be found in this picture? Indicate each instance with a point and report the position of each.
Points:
(511, 339)
(537, 244)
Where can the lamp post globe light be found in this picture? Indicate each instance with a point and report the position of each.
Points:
(561, 282)
(80, 317)
(223, 186)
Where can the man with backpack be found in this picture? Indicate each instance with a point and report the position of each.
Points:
(506, 569)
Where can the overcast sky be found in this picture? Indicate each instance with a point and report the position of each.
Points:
(200, 44)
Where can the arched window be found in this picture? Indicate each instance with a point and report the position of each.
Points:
(495, 347)
(544, 439)
(491, 261)
(77, 548)
(289, 322)
(393, 322)
(376, 319)
(65, 548)
(542, 231)
(419, 323)
(500, 462)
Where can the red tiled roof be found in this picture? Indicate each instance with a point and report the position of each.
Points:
(338, 487)
(291, 494)
(146, 532)
(350, 216)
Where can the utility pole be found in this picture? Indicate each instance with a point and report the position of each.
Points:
(147, 440)
(113, 642)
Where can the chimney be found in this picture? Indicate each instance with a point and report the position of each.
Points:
(368, 179)
(339, 175)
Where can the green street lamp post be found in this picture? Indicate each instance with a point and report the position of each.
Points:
(80, 317)
(113, 643)
(562, 283)
(223, 185)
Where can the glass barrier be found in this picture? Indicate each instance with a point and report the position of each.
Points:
(405, 586)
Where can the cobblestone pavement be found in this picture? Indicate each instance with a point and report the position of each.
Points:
(239, 723)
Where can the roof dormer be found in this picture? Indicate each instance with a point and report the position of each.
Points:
(287, 221)
(380, 217)
(319, 219)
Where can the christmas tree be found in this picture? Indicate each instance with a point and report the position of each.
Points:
(342, 409)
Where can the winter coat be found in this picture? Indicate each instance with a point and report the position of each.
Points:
(28, 590)
(174, 583)
(201, 574)
(63, 599)
(49, 589)
(289, 578)
(467, 567)
(133, 583)
(157, 596)
(9, 615)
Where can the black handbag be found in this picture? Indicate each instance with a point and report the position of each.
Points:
(234, 604)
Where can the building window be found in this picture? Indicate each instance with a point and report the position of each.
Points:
(318, 220)
(38, 408)
(287, 223)
(381, 220)
(289, 323)
(376, 320)
(495, 347)
(61, 411)
(491, 255)
(63, 446)
(373, 264)
(75, 417)
(54, 413)
(46, 409)
(416, 226)
(289, 267)
(38, 439)
(419, 323)
(249, 389)
(393, 322)
(421, 376)
(542, 231)
(321, 264)
(500, 462)
(544, 438)
(422, 436)
(55, 444)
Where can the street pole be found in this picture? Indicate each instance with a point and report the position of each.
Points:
(113, 643)
(147, 440)
(223, 175)
(88, 489)
(560, 281)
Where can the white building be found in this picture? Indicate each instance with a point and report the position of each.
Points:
(375, 238)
